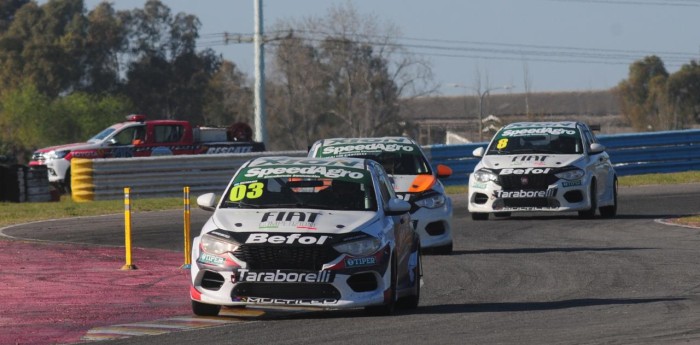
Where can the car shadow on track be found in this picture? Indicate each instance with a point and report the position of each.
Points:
(522, 217)
(534, 306)
(546, 250)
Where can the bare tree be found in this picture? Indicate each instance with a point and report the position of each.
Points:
(340, 75)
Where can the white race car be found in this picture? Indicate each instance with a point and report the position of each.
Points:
(543, 166)
(414, 180)
(308, 232)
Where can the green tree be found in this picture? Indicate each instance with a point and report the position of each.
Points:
(44, 45)
(684, 95)
(25, 120)
(168, 78)
(643, 95)
(7, 12)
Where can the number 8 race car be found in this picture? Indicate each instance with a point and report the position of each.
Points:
(543, 166)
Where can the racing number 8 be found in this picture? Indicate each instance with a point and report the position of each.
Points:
(250, 191)
(502, 144)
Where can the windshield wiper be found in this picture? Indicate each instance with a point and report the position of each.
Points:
(239, 204)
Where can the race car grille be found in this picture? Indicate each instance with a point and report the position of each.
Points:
(526, 202)
(286, 290)
(260, 256)
(513, 182)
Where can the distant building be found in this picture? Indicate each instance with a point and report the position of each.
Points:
(429, 119)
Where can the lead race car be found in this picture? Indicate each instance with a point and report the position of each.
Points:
(307, 232)
(414, 180)
(543, 166)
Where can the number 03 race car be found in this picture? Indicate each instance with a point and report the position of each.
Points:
(543, 166)
(307, 232)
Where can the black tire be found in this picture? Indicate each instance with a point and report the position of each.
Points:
(590, 213)
(411, 302)
(611, 210)
(390, 307)
(203, 309)
(480, 216)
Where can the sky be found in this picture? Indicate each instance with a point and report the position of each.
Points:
(550, 45)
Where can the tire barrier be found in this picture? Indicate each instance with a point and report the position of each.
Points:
(19, 183)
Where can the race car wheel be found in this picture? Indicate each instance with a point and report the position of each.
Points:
(411, 302)
(203, 309)
(590, 213)
(611, 210)
(390, 306)
(480, 216)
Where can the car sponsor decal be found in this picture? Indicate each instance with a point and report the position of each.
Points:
(306, 171)
(527, 171)
(257, 238)
(536, 131)
(282, 276)
(278, 219)
(360, 262)
(269, 161)
(211, 259)
(529, 158)
(286, 301)
(478, 185)
(230, 149)
(385, 140)
(571, 183)
(360, 149)
(524, 193)
(566, 124)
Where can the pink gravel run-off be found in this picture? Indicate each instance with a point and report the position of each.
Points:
(55, 293)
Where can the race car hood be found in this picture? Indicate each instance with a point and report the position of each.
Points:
(527, 161)
(413, 183)
(291, 220)
(73, 146)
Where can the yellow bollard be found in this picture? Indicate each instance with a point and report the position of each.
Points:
(127, 230)
(186, 221)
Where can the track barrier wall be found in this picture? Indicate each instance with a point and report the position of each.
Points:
(104, 179)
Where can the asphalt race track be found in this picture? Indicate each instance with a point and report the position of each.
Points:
(527, 279)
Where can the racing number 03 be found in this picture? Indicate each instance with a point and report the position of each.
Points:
(250, 191)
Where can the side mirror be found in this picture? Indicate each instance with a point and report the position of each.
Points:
(478, 152)
(443, 171)
(112, 141)
(207, 202)
(596, 148)
(397, 206)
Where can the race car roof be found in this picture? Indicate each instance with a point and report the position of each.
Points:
(344, 162)
(565, 124)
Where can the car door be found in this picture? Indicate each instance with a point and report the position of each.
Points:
(598, 162)
(403, 230)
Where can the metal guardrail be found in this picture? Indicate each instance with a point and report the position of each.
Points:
(164, 176)
(104, 179)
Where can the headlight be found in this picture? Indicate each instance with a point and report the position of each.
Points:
(215, 245)
(433, 201)
(573, 174)
(364, 247)
(57, 154)
(485, 176)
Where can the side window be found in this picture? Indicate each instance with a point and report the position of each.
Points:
(168, 133)
(129, 135)
(588, 137)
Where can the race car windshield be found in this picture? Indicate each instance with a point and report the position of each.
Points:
(303, 192)
(400, 163)
(536, 140)
(103, 134)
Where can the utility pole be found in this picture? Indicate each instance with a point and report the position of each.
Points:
(260, 129)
